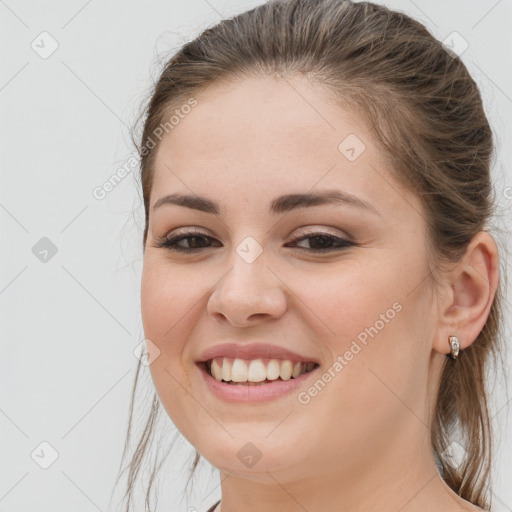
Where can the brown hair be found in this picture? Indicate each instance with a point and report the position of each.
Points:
(425, 111)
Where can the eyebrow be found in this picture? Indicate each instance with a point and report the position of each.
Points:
(279, 205)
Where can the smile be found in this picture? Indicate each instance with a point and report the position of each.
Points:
(247, 381)
(256, 371)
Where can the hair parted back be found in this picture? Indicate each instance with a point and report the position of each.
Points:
(424, 110)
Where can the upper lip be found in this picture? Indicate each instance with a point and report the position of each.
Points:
(253, 351)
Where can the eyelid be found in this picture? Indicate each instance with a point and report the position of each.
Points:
(319, 229)
(170, 241)
(189, 230)
(301, 231)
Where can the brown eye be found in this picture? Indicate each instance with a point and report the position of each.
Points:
(196, 242)
(318, 242)
(322, 242)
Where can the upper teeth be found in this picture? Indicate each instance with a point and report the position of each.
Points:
(256, 370)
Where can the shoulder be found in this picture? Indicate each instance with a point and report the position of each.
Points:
(213, 507)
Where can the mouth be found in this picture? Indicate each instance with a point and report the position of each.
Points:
(255, 372)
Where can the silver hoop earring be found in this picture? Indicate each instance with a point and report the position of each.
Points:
(455, 346)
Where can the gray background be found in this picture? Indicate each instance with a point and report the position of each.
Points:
(69, 324)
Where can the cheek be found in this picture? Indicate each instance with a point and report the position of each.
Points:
(347, 301)
(366, 297)
(370, 319)
(168, 301)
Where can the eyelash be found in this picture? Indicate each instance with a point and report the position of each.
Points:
(170, 243)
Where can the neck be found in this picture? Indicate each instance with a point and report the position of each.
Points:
(388, 482)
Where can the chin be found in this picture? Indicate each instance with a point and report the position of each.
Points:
(252, 459)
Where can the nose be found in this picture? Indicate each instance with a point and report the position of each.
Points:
(248, 293)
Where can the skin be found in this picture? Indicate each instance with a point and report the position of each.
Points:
(362, 443)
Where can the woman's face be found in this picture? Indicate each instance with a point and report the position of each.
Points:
(342, 283)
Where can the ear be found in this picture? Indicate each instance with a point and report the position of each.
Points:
(468, 292)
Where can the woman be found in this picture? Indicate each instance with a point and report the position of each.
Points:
(320, 292)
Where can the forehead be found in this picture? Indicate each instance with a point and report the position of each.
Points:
(262, 118)
(263, 135)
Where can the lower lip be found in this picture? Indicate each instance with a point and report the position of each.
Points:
(235, 393)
